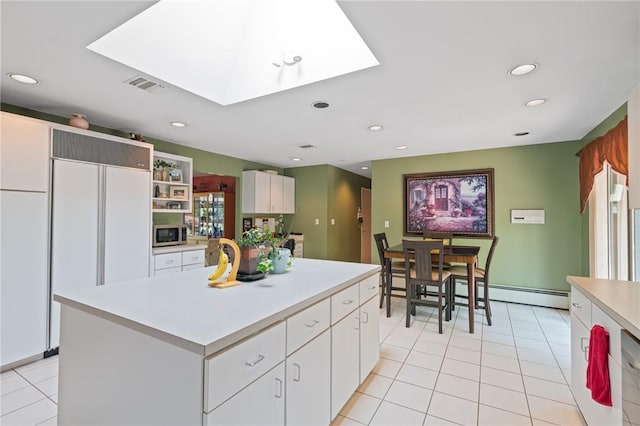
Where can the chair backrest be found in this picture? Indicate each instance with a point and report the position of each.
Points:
(447, 237)
(494, 243)
(381, 244)
(424, 263)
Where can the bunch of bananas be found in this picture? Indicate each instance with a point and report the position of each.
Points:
(223, 261)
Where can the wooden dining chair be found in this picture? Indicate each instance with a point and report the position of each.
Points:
(390, 269)
(426, 278)
(446, 237)
(459, 272)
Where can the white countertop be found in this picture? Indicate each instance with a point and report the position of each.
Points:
(177, 249)
(182, 309)
(618, 299)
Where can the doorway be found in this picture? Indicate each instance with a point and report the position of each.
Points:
(365, 225)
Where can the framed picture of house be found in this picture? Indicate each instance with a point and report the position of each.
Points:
(179, 192)
(459, 201)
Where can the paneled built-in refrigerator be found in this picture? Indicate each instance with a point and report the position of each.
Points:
(101, 214)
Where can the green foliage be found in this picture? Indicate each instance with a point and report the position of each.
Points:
(161, 164)
(256, 237)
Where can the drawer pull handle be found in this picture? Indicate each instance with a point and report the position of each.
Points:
(347, 302)
(356, 323)
(296, 373)
(312, 324)
(366, 319)
(372, 287)
(251, 364)
(279, 389)
(584, 347)
(170, 261)
(586, 353)
(577, 305)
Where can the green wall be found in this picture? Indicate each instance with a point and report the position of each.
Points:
(326, 192)
(529, 177)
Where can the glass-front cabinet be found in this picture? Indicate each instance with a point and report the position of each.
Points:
(208, 215)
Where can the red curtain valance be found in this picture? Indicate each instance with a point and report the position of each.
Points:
(612, 148)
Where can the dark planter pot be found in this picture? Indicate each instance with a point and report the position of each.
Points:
(249, 259)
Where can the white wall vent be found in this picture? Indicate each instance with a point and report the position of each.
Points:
(144, 83)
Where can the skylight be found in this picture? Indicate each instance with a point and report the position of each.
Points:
(230, 51)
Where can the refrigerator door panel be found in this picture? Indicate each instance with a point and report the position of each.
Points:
(74, 245)
(127, 217)
(24, 283)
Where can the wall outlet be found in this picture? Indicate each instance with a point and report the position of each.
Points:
(317, 221)
(333, 221)
(386, 223)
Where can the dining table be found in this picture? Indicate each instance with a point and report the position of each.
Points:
(451, 254)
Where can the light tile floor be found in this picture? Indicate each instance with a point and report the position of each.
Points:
(515, 372)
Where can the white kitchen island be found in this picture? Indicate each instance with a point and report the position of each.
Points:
(290, 348)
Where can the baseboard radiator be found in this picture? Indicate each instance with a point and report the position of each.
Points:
(523, 295)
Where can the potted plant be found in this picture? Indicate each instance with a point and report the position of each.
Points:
(255, 248)
(162, 167)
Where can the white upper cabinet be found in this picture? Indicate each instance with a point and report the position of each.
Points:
(633, 121)
(24, 153)
(264, 192)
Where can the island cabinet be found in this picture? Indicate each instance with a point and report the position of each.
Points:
(263, 353)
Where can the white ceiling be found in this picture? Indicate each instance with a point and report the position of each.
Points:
(441, 86)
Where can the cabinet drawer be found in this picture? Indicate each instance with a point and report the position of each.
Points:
(194, 266)
(307, 324)
(369, 288)
(232, 370)
(167, 260)
(344, 302)
(600, 318)
(192, 257)
(167, 271)
(581, 307)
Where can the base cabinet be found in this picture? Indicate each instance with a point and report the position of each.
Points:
(308, 383)
(593, 412)
(369, 337)
(260, 403)
(345, 362)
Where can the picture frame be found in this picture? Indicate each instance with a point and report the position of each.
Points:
(461, 202)
(179, 192)
(174, 205)
(175, 175)
(247, 223)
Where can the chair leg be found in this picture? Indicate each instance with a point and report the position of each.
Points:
(388, 293)
(447, 298)
(440, 311)
(382, 289)
(408, 296)
(453, 294)
(487, 305)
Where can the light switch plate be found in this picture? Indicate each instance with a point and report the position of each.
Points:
(333, 221)
(386, 223)
(317, 221)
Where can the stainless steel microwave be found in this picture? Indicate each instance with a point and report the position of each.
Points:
(169, 235)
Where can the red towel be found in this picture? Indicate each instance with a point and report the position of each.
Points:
(598, 366)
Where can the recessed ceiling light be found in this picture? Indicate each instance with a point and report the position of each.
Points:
(401, 147)
(535, 102)
(23, 78)
(178, 124)
(320, 104)
(365, 167)
(521, 134)
(523, 69)
(375, 127)
(296, 159)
